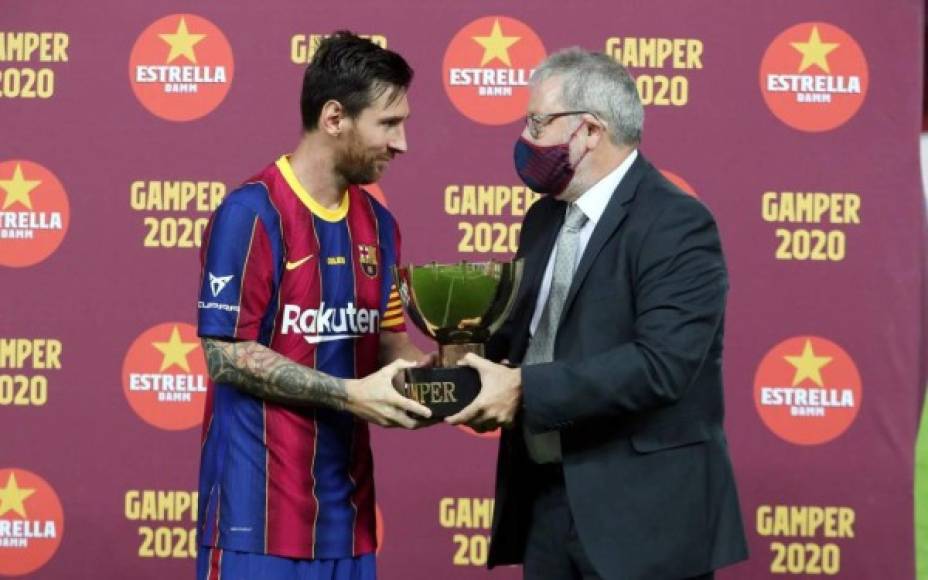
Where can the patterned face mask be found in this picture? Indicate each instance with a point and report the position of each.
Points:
(545, 169)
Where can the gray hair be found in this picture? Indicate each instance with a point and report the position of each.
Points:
(596, 83)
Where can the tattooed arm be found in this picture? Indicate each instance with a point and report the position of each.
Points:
(263, 373)
(257, 370)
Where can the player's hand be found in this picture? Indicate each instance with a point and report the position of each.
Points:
(425, 361)
(375, 399)
(499, 397)
(399, 383)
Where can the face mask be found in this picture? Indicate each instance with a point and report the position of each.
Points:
(545, 169)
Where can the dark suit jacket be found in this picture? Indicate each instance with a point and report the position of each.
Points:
(635, 388)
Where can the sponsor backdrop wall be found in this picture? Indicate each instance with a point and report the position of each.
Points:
(123, 125)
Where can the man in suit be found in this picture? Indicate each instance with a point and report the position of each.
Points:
(613, 461)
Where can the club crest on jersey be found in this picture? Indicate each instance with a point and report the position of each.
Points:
(367, 258)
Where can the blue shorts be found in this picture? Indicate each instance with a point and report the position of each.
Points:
(219, 564)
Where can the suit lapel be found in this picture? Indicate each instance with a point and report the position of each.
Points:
(610, 221)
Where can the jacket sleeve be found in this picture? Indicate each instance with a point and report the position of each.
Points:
(679, 292)
(499, 345)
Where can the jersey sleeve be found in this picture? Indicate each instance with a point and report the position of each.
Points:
(237, 275)
(393, 319)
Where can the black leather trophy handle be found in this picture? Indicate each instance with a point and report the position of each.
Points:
(443, 390)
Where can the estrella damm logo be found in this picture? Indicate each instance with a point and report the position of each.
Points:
(34, 213)
(378, 527)
(31, 522)
(376, 192)
(494, 434)
(679, 182)
(807, 390)
(487, 67)
(164, 376)
(181, 67)
(814, 77)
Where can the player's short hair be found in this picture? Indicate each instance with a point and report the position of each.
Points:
(353, 71)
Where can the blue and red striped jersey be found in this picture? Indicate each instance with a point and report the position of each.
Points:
(316, 286)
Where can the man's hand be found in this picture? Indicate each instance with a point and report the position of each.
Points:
(374, 399)
(498, 401)
(425, 361)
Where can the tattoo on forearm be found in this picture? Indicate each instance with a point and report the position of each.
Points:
(266, 374)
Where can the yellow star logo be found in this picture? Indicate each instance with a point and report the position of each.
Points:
(496, 46)
(182, 42)
(175, 351)
(12, 496)
(808, 366)
(18, 188)
(814, 51)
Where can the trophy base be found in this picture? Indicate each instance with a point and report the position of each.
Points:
(443, 390)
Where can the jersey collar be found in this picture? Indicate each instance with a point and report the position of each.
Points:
(329, 215)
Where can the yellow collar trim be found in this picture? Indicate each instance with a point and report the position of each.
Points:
(329, 215)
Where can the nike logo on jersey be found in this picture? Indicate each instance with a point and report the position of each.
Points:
(298, 263)
(218, 283)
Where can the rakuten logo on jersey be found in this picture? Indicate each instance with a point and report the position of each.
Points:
(328, 324)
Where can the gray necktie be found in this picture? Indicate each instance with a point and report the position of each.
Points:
(546, 447)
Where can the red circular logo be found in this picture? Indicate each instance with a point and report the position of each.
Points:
(378, 522)
(494, 434)
(376, 192)
(679, 182)
(164, 376)
(487, 67)
(814, 77)
(31, 522)
(181, 67)
(34, 213)
(807, 390)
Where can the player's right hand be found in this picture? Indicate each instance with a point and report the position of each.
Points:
(374, 399)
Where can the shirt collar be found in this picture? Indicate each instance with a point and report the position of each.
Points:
(594, 201)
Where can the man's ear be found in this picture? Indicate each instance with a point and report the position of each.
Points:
(595, 132)
(332, 118)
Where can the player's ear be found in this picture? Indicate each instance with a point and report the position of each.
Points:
(332, 117)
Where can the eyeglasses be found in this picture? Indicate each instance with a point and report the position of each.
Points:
(536, 122)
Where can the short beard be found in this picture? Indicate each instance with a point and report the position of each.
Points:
(356, 169)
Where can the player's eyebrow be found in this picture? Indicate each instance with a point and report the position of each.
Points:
(395, 118)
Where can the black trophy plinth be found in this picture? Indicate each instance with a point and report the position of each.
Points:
(443, 390)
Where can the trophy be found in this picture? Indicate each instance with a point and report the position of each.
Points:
(460, 306)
